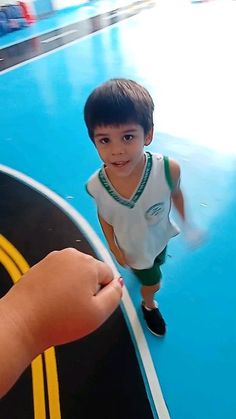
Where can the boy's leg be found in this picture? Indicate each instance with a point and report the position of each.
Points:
(148, 292)
(152, 315)
(150, 280)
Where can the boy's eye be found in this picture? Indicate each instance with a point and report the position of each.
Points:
(128, 137)
(104, 140)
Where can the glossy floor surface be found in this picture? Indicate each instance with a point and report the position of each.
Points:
(183, 53)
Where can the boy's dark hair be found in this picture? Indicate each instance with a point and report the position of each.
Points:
(119, 101)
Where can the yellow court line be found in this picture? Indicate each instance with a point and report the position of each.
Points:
(14, 254)
(52, 382)
(10, 267)
(38, 388)
(37, 364)
(8, 258)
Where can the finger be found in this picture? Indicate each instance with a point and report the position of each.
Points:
(108, 299)
(105, 273)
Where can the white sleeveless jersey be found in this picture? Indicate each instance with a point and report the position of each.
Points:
(141, 224)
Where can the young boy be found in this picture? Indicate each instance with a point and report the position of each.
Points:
(134, 189)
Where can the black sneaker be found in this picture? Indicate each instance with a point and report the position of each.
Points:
(155, 322)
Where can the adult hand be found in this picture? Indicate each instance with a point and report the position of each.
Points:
(62, 298)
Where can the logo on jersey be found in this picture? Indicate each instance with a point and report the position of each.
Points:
(154, 210)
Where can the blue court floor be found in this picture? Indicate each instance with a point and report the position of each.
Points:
(184, 54)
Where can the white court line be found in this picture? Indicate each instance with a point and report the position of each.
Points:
(111, 15)
(97, 244)
(69, 44)
(53, 38)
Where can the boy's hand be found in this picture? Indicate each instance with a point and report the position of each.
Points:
(194, 236)
(121, 260)
(119, 257)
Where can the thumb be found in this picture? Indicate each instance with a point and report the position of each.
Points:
(108, 299)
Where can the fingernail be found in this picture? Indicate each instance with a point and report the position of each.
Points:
(121, 281)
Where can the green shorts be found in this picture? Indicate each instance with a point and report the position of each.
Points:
(151, 276)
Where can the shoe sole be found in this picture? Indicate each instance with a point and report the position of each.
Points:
(155, 334)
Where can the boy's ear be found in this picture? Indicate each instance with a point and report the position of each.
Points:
(149, 137)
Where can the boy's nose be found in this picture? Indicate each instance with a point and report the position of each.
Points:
(117, 150)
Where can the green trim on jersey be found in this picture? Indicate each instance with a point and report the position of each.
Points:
(167, 172)
(112, 192)
(144, 180)
(126, 202)
(86, 188)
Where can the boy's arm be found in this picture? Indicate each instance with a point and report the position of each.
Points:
(193, 235)
(176, 194)
(109, 235)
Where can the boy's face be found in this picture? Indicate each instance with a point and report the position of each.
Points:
(121, 147)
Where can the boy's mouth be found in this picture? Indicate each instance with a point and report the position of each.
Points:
(120, 163)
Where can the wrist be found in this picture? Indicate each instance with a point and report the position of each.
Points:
(24, 319)
(16, 349)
